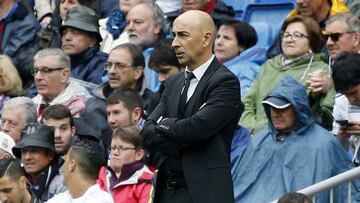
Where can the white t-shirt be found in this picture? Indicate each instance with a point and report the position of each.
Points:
(92, 194)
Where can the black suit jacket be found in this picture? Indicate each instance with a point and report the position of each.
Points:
(203, 137)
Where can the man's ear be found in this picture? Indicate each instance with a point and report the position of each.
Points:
(136, 115)
(22, 182)
(207, 39)
(72, 165)
(65, 75)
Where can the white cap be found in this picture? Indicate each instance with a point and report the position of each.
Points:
(7, 143)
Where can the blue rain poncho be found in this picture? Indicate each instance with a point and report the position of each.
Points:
(267, 169)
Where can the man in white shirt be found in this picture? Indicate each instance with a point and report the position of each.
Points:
(81, 169)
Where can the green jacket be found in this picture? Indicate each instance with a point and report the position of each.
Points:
(271, 72)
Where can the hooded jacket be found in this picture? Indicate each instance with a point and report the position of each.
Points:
(271, 73)
(268, 169)
(246, 66)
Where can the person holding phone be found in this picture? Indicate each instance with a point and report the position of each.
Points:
(346, 73)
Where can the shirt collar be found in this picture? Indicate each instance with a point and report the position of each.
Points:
(199, 72)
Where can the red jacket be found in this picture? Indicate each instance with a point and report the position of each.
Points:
(136, 189)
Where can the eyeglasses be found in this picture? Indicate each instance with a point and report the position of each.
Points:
(294, 36)
(335, 36)
(121, 148)
(45, 70)
(118, 66)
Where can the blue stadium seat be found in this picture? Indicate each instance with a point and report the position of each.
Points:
(273, 14)
(275, 1)
(264, 33)
(239, 4)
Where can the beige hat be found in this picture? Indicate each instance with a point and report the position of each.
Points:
(6, 143)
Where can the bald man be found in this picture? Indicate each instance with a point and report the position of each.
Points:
(191, 128)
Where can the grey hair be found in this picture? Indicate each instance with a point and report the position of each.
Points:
(157, 13)
(63, 58)
(27, 104)
(352, 21)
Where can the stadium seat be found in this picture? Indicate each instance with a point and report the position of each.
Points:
(264, 33)
(239, 6)
(271, 13)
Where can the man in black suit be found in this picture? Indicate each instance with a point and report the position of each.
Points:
(194, 137)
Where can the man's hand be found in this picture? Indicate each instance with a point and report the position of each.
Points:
(319, 82)
(353, 128)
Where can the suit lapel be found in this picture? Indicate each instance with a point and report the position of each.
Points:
(176, 94)
(191, 107)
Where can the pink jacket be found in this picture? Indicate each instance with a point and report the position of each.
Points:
(136, 189)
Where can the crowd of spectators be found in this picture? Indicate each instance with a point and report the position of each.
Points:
(92, 106)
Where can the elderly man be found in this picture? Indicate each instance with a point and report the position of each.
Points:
(51, 72)
(293, 152)
(145, 26)
(80, 40)
(18, 113)
(41, 162)
(193, 124)
(343, 35)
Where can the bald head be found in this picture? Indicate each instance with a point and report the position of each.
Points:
(194, 33)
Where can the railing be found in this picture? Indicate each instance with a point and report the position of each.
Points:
(331, 183)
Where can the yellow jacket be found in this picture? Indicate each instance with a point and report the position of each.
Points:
(337, 6)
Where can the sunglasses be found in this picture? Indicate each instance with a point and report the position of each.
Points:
(335, 36)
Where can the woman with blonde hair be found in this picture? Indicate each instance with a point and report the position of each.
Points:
(10, 81)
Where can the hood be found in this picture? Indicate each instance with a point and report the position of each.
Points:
(303, 62)
(337, 6)
(294, 92)
(256, 54)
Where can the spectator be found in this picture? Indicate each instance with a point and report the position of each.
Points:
(319, 10)
(18, 113)
(80, 40)
(294, 197)
(13, 187)
(345, 74)
(125, 68)
(59, 117)
(11, 84)
(41, 162)
(112, 28)
(164, 61)
(66, 5)
(301, 44)
(354, 6)
(6, 145)
(235, 46)
(124, 108)
(217, 9)
(293, 152)
(146, 34)
(18, 29)
(197, 113)
(343, 35)
(126, 177)
(81, 169)
(51, 72)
